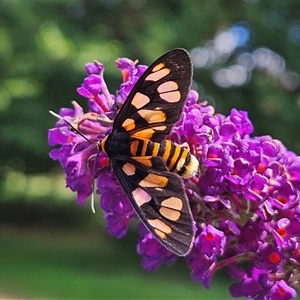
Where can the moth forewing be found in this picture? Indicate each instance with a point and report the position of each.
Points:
(144, 162)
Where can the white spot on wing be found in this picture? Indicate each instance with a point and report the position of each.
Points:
(140, 196)
(128, 169)
(168, 86)
(158, 75)
(140, 100)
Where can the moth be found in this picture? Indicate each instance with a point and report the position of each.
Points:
(149, 167)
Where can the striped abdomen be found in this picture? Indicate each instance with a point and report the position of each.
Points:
(178, 159)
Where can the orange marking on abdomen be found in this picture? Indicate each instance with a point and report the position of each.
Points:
(133, 147)
(155, 149)
(182, 160)
(168, 146)
(144, 149)
(174, 158)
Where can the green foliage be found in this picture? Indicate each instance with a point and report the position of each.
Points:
(86, 265)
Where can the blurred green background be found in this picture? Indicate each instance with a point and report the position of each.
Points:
(246, 56)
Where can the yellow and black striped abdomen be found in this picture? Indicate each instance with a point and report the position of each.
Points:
(178, 159)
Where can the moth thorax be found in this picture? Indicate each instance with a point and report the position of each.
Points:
(116, 144)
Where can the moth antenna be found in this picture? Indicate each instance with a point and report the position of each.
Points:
(93, 185)
(56, 115)
(94, 167)
(75, 129)
(93, 198)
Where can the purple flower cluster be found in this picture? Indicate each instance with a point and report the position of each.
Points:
(245, 200)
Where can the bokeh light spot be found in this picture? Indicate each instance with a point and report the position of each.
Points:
(242, 34)
(246, 60)
(294, 33)
(290, 81)
(199, 57)
(226, 41)
(51, 39)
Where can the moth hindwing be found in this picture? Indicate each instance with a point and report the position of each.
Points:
(142, 159)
